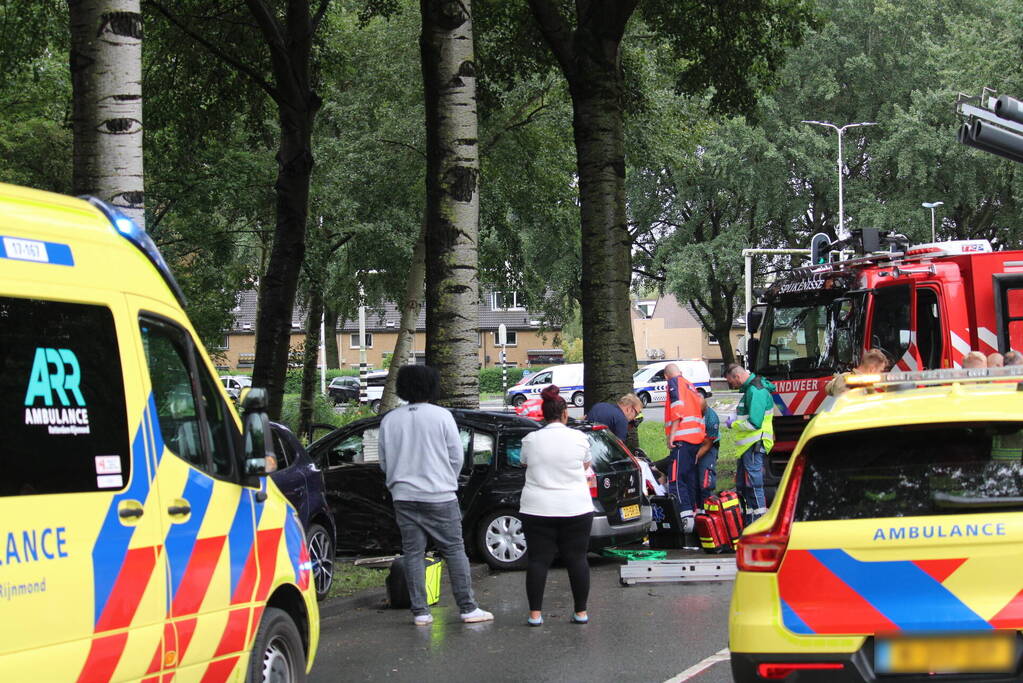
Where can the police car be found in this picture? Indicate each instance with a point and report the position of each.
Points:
(139, 536)
(895, 544)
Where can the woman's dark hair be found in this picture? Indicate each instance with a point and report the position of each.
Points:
(553, 405)
(417, 383)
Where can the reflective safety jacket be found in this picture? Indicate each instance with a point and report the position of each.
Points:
(683, 415)
(754, 419)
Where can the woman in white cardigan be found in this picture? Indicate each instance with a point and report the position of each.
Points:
(556, 507)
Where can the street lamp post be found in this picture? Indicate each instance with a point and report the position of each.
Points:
(840, 130)
(932, 206)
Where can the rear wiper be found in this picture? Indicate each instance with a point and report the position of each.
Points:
(947, 500)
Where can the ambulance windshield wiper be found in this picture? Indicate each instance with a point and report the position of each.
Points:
(947, 500)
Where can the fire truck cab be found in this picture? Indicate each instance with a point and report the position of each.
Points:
(924, 306)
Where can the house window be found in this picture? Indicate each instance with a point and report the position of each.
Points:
(224, 344)
(506, 301)
(711, 339)
(513, 338)
(353, 343)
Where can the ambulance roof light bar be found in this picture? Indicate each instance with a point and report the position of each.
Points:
(953, 248)
(932, 377)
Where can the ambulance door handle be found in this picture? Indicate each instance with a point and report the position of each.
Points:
(178, 510)
(130, 511)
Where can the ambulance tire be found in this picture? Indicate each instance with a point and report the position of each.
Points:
(644, 398)
(578, 399)
(518, 400)
(278, 654)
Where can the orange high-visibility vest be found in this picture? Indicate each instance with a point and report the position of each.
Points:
(683, 415)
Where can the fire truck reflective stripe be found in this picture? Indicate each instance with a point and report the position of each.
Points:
(128, 589)
(268, 542)
(233, 639)
(792, 621)
(217, 672)
(906, 594)
(113, 539)
(181, 537)
(195, 581)
(239, 538)
(959, 344)
(989, 338)
(782, 401)
(1010, 616)
(104, 654)
(822, 601)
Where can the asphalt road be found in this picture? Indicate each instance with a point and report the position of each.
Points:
(644, 632)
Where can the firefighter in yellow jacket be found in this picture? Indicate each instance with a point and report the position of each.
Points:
(685, 431)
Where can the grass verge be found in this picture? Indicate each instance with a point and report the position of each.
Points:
(349, 579)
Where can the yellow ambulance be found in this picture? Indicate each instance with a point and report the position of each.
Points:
(894, 548)
(140, 538)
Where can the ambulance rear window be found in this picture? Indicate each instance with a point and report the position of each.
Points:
(63, 420)
(912, 471)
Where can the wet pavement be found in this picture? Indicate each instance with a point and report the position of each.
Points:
(644, 632)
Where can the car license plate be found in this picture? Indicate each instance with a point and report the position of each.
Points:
(630, 512)
(984, 653)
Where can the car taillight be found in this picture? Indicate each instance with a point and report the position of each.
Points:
(763, 552)
(776, 671)
(591, 481)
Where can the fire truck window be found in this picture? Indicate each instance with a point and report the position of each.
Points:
(928, 328)
(890, 325)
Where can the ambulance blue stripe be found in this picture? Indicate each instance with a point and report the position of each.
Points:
(781, 405)
(181, 537)
(240, 537)
(113, 539)
(293, 537)
(792, 621)
(906, 594)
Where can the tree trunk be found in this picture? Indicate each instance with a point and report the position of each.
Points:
(409, 315)
(309, 362)
(724, 335)
(452, 199)
(106, 77)
(330, 349)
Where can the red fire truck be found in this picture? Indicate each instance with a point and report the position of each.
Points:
(924, 306)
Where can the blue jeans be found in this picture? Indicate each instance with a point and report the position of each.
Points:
(682, 482)
(443, 523)
(749, 481)
(706, 474)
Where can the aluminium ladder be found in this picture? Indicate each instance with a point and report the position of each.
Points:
(667, 571)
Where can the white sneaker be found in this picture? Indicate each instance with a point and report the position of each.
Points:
(477, 615)
(422, 619)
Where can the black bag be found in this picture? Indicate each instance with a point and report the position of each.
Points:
(667, 532)
(397, 583)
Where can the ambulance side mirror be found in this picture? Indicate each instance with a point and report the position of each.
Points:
(754, 317)
(260, 459)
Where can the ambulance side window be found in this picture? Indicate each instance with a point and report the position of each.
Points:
(64, 419)
(890, 323)
(194, 430)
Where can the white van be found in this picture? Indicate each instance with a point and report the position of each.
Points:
(651, 387)
(568, 378)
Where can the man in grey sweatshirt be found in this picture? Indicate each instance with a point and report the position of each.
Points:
(421, 455)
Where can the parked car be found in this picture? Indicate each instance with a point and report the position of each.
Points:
(489, 487)
(301, 482)
(343, 389)
(234, 384)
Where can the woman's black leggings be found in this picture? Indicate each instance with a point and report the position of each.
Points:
(569, 536)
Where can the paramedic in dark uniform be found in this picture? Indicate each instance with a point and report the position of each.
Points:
(616, 416)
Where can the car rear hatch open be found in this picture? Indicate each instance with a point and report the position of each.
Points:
(618, 478)
(912, 535)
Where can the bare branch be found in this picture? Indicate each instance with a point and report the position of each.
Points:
(652, 276)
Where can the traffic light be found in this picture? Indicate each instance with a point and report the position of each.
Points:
(820, 245)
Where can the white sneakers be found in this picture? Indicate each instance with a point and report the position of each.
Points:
(422, 619)
(477, 615)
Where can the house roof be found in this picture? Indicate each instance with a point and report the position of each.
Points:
(387, 317)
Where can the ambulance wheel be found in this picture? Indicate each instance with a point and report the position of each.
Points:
(278, 655)
(501, 541)
(578, 399)
(644, 398)
(518, 400)
(321, 554)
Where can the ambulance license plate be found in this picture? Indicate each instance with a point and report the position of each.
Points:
(983, 653)
(630, 512)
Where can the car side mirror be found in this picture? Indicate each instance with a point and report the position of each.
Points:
(754, 317)
(260, 459)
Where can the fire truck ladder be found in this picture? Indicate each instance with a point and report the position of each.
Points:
(669, 571)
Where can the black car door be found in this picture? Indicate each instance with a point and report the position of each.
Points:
(357, 492)
(477, 468)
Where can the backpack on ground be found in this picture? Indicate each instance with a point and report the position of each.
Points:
(397, 583)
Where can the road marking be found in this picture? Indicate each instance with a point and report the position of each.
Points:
(697, 669)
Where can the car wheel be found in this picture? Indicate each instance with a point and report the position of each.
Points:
(278, 655)
(644, 398)
(518, 400)
(321, 555)
(703, 392)
(501, 541)
(578, 399)
(375, 406)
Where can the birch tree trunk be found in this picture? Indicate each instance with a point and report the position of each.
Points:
(590, 58)
(409, 315)
(106, 116)
(452, 199)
